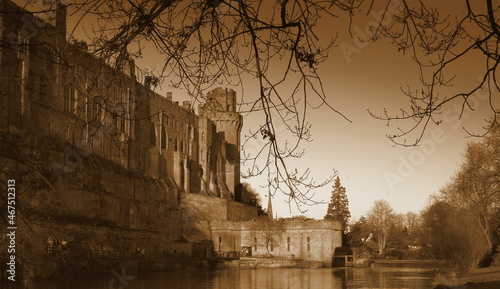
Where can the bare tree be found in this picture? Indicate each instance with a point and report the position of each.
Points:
(207, 43)
(381, 219)
(439, 42)
(274, 46)
(411, 222)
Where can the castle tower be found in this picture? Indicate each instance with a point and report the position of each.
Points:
(221, 109)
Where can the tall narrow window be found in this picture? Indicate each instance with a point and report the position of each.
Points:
(122, 123)
(288, 244)
(255, 244)
(23, 44)
(115, 121)
(163, 138)
(66, 99)
(308, 244)
(271, 244)
(152, 134)
(43, 88)
(70, 99)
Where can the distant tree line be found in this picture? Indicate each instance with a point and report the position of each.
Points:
(461, 224)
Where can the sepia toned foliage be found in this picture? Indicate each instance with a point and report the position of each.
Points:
(250, 196)
(461, 223)
(475, 187)
(338, 208)
(452, 235)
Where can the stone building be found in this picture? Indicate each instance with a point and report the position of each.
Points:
(302, 239)
(103, 161)
(91, 145)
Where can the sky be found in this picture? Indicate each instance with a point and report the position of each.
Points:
(370, 167)
(358, 76)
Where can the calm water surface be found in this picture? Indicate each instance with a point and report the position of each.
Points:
(279, 278)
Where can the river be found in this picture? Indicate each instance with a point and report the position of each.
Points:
(278, 278)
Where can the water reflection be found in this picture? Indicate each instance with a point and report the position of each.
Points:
(279, 278)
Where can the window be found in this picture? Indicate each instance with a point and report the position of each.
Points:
(115, 122)
(66, 133)
(152, 134)
(271, 244)
(288, 244)
(43, 88)
(30, 86)
(23, 44)
(255, 244)
(66, 99)
(122, 123)
(49, 56)
(69, 99)
(308, 244)
(163, 138)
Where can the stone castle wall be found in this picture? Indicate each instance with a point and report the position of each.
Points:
(94, 150)
(310, 240)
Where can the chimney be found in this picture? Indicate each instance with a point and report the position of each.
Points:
(61, 21)
(186, 104)
(169, 96)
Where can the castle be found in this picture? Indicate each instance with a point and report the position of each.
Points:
(102, 160)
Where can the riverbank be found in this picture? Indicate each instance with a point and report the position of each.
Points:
(482, 278)
(255, 262)
(408, 264)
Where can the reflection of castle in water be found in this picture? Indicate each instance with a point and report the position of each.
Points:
(325, 278)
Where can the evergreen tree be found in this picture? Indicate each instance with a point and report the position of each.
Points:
(338, 209)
